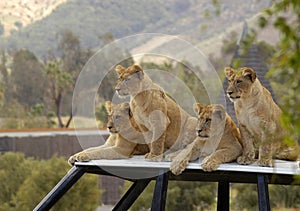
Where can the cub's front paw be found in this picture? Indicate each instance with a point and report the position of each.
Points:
(178, 166)
(265, 162)
(152, 157)
(245, 160)
(80, 157)
(209, 165)
(72, 160)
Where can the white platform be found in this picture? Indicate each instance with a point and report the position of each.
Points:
(281, 167)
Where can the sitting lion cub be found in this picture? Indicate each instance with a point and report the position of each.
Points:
(163, 122)
(259, 119)
(124, 141)
(218, 140)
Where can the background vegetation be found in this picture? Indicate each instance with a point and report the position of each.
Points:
(39, 65)
(25, 181)
(88, 19)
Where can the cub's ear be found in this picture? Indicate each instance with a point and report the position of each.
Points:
(108, 106)
(229, 72)
(139, 71)
(138, 68)
(197, 108)
(219, 112)
(126, 107)
(249, 73)
(119, 69)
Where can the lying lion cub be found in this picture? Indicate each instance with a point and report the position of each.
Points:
(218, 140)
(163, 122)
(259, 119)
(124, 141)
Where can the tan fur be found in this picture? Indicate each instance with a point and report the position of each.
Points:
(218, 140)
(160, 118)
(259, 119)
(124, 141)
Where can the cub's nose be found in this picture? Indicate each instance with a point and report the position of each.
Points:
(109, 127)
(199, 131)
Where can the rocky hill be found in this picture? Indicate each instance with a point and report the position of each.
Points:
(16, 14)
(193, 20)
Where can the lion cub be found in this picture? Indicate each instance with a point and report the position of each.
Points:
(259, 119)
(218, 140)
(124, 141)
(163, 122)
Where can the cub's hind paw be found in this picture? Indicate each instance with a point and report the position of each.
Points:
(152, 157)
(245, 160)
(265, 162)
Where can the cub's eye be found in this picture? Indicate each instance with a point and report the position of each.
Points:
(239, 81)
(117, 117)
(207, 121)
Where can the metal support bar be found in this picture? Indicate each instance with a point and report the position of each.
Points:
(60, 189)
(131, 195)
(160, 192)
(263, 192)
(223, 196)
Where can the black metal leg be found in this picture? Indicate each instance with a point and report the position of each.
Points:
(60, 189)
(223, 196)
(263, 192)
(160, 193)
(131, 195)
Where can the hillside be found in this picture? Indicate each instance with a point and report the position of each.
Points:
(16, 14)
(90, 18)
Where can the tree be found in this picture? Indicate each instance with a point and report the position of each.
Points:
(14, 168)
(106, 88)
(59, 82)
(283, 196)
(4, 85)
(180, 196)
(285, 16)
(245, 197)
(62, 74)
(1, 29)
(25, 181)
(27, 78)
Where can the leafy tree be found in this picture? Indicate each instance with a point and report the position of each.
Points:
(24, 182)
(18, 24)
(59, 82)
(101, 114)
(192, 196)
(283, 196)
(245, 197)
(106, 88)
(27, 78)
(62, 73)
(285, 16)
(14, 169)
(1, 29)
(4, 73)
(180, 196)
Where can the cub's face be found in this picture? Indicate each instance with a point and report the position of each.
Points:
(118, 117)
(239, 82)
(129, 80)
(211, 119)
